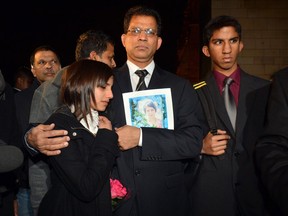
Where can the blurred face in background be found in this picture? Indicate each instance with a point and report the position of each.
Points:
(46, 65)
(107, 56)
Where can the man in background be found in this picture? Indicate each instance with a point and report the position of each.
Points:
(45, 63)
(23, 78)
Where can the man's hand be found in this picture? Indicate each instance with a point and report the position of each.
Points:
(215, 144)
(128, 137)
(46, 140)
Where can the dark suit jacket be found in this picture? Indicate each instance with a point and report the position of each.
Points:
(155, 173)
(272, 147)
(23, 101)
(227, 184)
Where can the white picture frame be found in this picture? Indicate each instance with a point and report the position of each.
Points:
(149, 108)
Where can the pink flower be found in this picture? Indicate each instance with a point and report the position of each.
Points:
(118, 192)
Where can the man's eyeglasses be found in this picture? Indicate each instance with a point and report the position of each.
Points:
(137, 31)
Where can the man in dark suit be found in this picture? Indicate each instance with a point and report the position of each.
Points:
(226, 183)
(153, 162)
(272, 146)
(45, 63)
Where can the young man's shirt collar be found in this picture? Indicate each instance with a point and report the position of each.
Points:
(235, 86)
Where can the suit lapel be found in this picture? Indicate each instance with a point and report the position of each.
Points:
(122, 77)
(156, 81)
(244, 107)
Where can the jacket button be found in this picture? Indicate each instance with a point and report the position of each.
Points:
(236, 154)
(74, 134)
(137, 172)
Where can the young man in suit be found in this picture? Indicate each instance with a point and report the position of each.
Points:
(226, 182)
(154, 162)
(272, 146)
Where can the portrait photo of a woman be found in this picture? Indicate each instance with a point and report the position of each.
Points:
(153, 115)
(149, 108)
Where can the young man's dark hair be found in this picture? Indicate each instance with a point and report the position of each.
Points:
(218, 23)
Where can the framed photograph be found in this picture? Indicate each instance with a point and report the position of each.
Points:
(149, 108)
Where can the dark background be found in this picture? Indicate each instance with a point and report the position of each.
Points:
(24, 26)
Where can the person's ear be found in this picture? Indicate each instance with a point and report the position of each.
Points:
(33, 71)
(159, 42)
(123, 38)
(205, 51)
(93, 55)
(241, 46)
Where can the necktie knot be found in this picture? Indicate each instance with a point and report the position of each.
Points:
(228, 81)
(141, 84)
(141, 73)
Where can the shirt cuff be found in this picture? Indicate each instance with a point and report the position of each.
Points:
(140, 139)
(34, 151)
